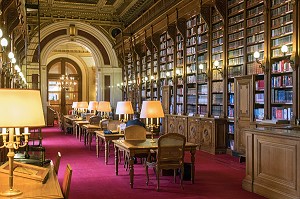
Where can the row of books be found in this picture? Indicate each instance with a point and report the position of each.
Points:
(282, 20)
(191, 109)
(277, 2)
(231, 128)
(216, 110)
(281, 66)
(255, 29)
(235, 9)
(230, 87)
(236, 18)
(217, 42)
(255, 11)
(255, 20)
(236, 35)
(203, 89)
(281, 96)
(259, 98)
(255, 38)
(202, 99)
(236, 61)
(282, 30)
(278, 53)
(217, 87)
(230, 111)
(280, 113)
(236, 52)
(236, 27)
(282, 9)
(202, 109)
(260, 84)
(217, 99)
(231, 99)
(235, 44)
(235, 71)
(217, 34)
(282, 40)
(282, 81)
(259, 113)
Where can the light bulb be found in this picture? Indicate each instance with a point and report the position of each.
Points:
(284, 49)
(11, 55)
(152, 77)
(256, 54)
(13, 60)
(216, 63)
(146, 78)
(178, 72)
(168, 74)
(201, 66)
(4, 42)
(118, 85)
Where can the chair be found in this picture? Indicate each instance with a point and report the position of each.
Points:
(134, 132)
(170, 155)
(67, 182)
(57, 162)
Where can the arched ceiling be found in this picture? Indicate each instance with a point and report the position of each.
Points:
(124, 11)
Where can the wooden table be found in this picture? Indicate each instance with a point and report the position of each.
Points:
(33, 189)
(88, 131)
(107, 138)
(70, 119)
(134, 147)
(78, 125)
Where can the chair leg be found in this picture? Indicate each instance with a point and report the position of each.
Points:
(157, 177)
(174, 175)
(147, 174)
(181, 177)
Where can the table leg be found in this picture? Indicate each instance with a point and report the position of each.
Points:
(116, 160)
(90, 140)
(131, 169)
(106, 150)
(97, 146)
(193, 152)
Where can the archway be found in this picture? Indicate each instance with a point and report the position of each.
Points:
(61, 94)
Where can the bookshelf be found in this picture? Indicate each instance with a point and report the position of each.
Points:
(255, 38)
(217, 57)
(227, 33)
(179, 74)
(281, 71)
(202, 63)
(236, 58)
(191, 66)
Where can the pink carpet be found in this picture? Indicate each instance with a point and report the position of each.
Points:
(218, 176)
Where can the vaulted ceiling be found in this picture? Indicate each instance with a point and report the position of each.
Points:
(125, 11)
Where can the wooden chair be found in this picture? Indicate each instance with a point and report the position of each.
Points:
(134, 132)
(170, 155)
(67, 182)
(57, 162)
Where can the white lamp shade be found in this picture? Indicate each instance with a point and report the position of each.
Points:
(151, 109)
(93, 105)
(82, 105)
(104, 106)
(21, 108)
(74, 105)
(124, 107)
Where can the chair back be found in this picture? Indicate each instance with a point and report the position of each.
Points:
(67, 182)
(103, 123)
(112, 125)
(57, 163)
(171, 150)
(94, 120)
(135, 132)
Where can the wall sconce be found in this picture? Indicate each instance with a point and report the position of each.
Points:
(121, 86)
(178, 72)
(201, 67)
(168, 74)
(256, 55)
(216, 65)
(284, 50)
(152, 77)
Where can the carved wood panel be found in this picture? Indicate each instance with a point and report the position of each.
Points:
(206, 136)
(182, 125)
(171, 124)
(193, 131)
(166, 99)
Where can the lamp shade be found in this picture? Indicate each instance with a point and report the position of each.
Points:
(74, 105)
(124, 107)
(151, 109)
(93, 105)
(104, 106)
(82, 105)
(21, 108)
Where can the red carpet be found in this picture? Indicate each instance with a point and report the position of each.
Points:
(218, 176)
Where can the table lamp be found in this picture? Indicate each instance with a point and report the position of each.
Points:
(74, 107)
(104, 108)
(82, 107)
(124, 107)
(20, 109)
(93, 105)
(150, 110)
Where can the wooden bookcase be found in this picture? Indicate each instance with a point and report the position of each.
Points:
(179, 57)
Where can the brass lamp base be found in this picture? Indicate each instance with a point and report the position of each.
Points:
(152, 141)
(11, 192)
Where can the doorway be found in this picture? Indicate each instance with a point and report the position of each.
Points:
(62, 93)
